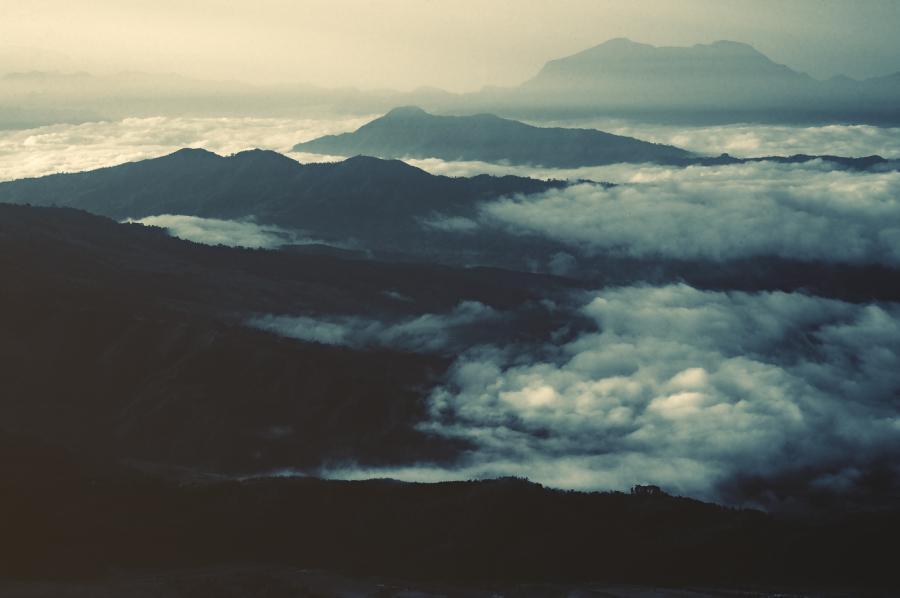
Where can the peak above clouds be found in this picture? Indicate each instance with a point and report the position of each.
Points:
(412, 132)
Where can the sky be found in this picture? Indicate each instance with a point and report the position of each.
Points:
(459, 45)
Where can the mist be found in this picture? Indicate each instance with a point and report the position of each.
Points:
(404, 44)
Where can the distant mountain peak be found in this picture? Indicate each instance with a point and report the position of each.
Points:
(191, 154)
(406, 112)
(737, 47)
(412, 132)
(622, 73)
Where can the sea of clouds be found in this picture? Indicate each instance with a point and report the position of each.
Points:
(753, 140)
(74, 148)
(807, 212)
(717, 395)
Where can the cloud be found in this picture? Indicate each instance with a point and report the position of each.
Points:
(431, 333)
(234, 233)
(754, 140)
(692, 390)
(74, 148)
(721, 213)
(453, 224)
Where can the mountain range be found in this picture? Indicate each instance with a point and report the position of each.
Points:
(707, 83)
(379, 203)
(411, 132)
(728, 81)
(387, 209)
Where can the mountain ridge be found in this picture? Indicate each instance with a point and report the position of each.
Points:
(410, 131)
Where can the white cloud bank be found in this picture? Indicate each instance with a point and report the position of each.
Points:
(754, 140)
(687, 389)
(75, 148)
(727, 212)
(233, 233)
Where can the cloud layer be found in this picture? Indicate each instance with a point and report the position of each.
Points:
(212, 231)
(50, 149)
(695, 391)
(74, 148)
(721, 213)
(753, 140)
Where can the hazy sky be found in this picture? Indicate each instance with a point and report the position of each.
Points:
(454, 44)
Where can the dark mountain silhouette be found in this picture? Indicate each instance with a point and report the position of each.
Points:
(385, 208)
(412, 132)
(380, 203)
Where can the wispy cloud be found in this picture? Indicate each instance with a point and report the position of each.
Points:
(74, 148)
(426, 333)
(234, 233)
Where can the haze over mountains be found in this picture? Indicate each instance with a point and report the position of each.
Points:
(720, 82)
(621, 75)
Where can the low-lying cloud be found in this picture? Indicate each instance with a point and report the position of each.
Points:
(721, 213)
(74, 148)
(233, 233)
(695, 391)
(753, 140)
(430, 333)
(49, 149)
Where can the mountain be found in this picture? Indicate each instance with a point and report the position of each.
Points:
(378, 203)
(412, 132)
(724, 81)
(393, 211)
(620, 68)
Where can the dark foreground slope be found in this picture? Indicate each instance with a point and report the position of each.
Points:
(412, 132)
(117, 339)
(131, 397)
(77, 519)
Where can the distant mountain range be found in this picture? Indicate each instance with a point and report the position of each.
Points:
(720, 82)
(410, 132)
(727, 80)
(390, 210)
